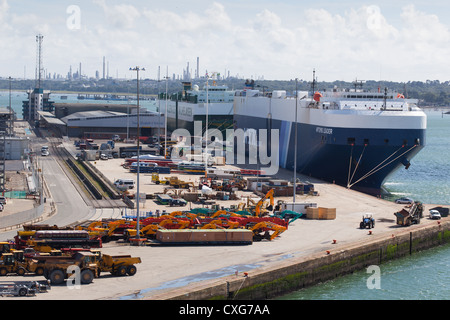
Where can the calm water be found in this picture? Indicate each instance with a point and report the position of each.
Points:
(425, 275)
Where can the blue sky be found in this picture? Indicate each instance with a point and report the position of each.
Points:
(341, 40)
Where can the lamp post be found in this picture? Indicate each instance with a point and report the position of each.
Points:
(295, 141)
(206, 127)
(214, 74)
(165, 115)
(137, 69)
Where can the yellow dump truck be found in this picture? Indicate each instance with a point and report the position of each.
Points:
(117, 265)
(90, 264)
(57, 269)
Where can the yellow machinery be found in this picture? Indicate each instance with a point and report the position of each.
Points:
(108, 229)
(262, 230)
(259, 209)
(147, 231)
(220, 224)
(116, 265)
(10, 264)
(5, 247)
(183, 224)
(174, 181)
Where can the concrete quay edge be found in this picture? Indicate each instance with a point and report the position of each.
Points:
(293, 274)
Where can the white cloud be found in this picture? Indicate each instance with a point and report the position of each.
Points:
(119, 16)
(351, 42)
(212, 18)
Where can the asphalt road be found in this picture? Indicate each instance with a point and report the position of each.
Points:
(70, 206)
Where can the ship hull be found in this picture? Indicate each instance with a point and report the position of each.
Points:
(358, 158)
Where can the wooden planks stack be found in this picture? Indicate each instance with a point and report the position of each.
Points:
(321, 213)
(206, 236)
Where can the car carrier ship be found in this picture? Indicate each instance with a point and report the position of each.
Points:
(349, 137)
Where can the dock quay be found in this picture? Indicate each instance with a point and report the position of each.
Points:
(310, 251)
(293, 274)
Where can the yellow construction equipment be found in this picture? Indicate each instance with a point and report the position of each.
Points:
(173, 181)
(183, 224)
(5, 247)
(116, 265)
(260, 209)
(262, 230)
(10, 264)
(149, 231)
(220, 224)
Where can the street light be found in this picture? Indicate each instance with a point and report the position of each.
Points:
(137, 69)
(206, 156)
(165, 116)
(295, 141)
(295, 136)
(206, 127)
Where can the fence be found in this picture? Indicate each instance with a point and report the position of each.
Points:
(17, 219)
(15, 194)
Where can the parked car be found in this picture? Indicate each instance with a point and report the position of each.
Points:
(177, 202)
(103, 157)
(435, 215)
(2, 200)
(1, 207)
(404, 200)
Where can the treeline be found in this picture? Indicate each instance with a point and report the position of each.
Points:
(429, 93)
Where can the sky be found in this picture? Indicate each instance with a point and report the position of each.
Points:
(275, 40)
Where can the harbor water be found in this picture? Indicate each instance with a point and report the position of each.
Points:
(423, 276)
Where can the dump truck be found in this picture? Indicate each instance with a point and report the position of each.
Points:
(410, 215)
(116, 265)
(57, 269)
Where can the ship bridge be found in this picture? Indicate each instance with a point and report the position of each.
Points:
(373, 105)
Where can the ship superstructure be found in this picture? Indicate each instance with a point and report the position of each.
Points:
(191, 105)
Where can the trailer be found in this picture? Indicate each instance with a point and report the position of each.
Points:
(16, 289)
(149, 167)
(204, 237)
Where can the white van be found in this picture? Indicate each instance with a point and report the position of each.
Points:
(124, 184)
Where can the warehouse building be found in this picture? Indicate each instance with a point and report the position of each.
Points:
(65, 109)
(104, 124)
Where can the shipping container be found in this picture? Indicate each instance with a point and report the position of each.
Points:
(204, 236)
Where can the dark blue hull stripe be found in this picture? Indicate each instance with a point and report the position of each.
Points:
(342, 155)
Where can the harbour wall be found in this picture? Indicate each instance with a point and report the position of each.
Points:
(294, 274)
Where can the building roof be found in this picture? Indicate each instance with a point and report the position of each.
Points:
(102, 118)
(93, 105)
(83, 115)
(50, 118)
